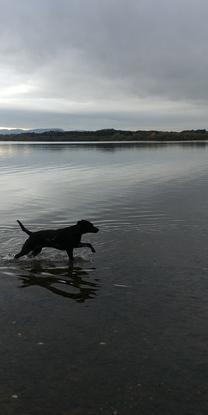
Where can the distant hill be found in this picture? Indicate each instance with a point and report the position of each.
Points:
(109, 135)
(6, 131)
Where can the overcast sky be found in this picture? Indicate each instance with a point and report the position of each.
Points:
(89, 64)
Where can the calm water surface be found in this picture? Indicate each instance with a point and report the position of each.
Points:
(125, 330)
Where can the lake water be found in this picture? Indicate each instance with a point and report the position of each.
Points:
(125, 330)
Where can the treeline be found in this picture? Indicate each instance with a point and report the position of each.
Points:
(109, 135)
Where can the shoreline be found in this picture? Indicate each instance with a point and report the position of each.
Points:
(77, 142)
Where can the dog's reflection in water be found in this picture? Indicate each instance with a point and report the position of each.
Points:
(68, 282)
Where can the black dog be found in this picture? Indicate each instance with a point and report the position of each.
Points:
(65, 239)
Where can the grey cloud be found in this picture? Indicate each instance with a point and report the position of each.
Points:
(107, 50)
(94, 120)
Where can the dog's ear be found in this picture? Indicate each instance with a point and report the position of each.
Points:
(80, 222)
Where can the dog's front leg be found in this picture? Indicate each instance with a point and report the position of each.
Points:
(85, 245)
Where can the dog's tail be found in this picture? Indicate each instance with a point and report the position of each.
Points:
(23, 228)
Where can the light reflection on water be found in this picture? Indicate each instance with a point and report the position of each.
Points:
(59, 183)
(112, 185)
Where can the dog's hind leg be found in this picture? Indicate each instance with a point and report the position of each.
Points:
(27, 247)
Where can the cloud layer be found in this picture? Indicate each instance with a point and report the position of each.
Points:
(110, 63)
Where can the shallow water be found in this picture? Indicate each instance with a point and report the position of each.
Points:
(123, 330)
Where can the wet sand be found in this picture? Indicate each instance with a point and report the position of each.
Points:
(108, 336)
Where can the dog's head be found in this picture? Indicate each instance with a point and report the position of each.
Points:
(87, 227)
